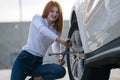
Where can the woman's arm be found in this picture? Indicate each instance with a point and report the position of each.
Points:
(65, 42)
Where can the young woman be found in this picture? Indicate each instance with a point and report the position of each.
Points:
(44, 31)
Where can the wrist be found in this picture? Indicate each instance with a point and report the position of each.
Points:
(59, 57)
(61, 40)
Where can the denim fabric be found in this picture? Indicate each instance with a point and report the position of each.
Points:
(27, 64)
(50, 71)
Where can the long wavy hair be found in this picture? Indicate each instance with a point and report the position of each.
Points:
(59, 22)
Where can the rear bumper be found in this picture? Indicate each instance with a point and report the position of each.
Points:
(108, 55)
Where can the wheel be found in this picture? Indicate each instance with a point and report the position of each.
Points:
(74, 61)
(77, 70)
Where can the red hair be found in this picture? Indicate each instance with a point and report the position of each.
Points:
(59, 22)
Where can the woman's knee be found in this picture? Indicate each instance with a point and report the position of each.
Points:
(61, 71)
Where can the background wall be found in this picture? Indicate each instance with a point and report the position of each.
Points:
(13, 35)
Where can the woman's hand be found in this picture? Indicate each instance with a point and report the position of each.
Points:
(66, 43)
(60, 60)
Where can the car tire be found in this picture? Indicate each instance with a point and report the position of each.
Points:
(76, 68)
(74, 61)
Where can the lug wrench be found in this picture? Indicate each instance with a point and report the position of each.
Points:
(81, 53)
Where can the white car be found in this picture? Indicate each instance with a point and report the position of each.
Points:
(95, 35)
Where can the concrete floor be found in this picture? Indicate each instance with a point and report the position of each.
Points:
(5, 75)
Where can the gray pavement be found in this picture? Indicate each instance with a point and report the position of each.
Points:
(5, 75)
(115, 74)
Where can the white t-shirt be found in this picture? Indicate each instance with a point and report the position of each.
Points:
(40, 37)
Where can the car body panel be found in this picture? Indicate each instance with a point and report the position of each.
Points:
(98, 21)
(97, 25)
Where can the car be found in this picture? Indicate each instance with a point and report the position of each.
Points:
(94, 30)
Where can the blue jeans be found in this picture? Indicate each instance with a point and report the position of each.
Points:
(27, 64)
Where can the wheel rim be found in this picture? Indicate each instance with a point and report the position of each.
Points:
(76, 63)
